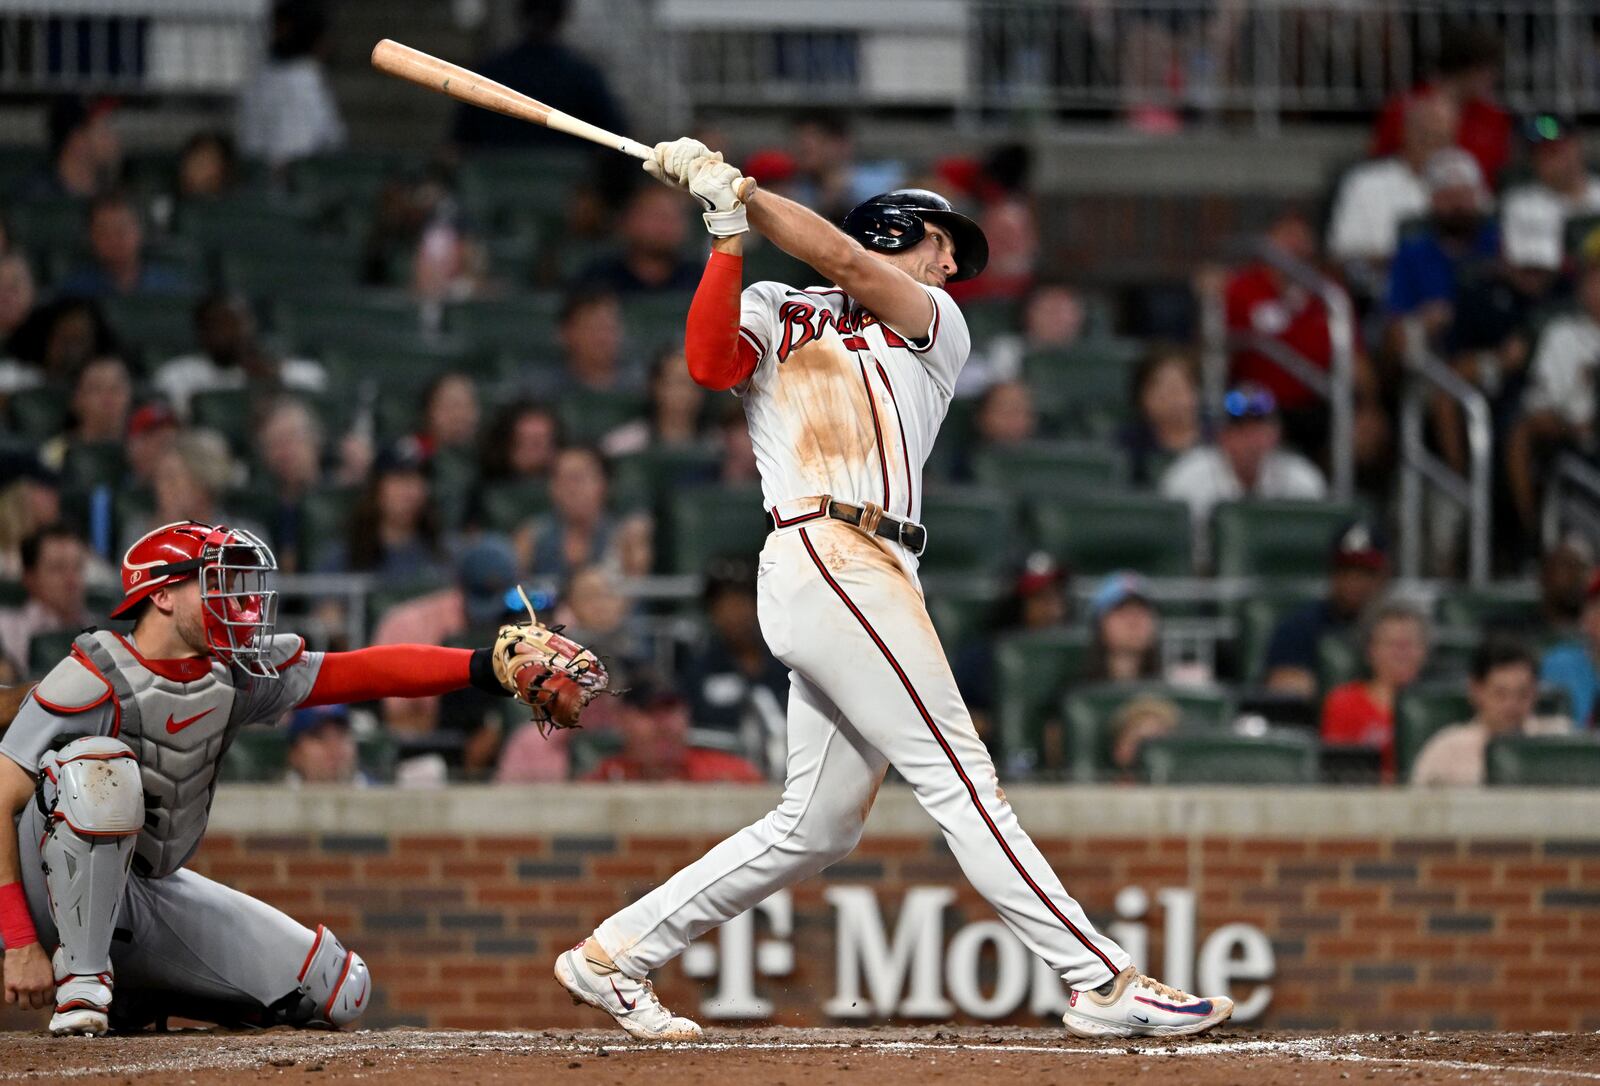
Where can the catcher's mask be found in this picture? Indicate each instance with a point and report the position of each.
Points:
(237, 608)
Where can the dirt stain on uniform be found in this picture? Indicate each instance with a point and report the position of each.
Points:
(821, 388)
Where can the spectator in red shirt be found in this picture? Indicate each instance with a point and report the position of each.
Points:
(1361, 713)
(1468, 71)
(655, 745)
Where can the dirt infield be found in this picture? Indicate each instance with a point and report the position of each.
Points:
(813, 1057)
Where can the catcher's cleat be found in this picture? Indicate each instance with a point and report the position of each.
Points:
(1133, 1005)
(632, 1003)
(82, 1002)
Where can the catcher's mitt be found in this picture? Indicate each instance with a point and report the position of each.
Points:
(556, 680)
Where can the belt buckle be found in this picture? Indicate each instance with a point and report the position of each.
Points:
(900, 537)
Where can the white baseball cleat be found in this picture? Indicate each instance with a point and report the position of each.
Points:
(82, 1001)
(1138, 1006)
(632, 1003)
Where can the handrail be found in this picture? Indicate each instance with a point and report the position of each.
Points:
(1336, 385)
(1419, 465)
(1570, 473)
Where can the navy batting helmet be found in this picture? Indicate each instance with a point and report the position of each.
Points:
(894, 221)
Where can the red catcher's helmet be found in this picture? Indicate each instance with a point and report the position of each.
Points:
(238, 609)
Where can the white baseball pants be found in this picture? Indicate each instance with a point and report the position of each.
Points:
(870, 688)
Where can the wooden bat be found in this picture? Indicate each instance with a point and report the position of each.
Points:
(463, 85)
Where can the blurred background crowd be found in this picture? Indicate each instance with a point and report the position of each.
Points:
(1313, 509)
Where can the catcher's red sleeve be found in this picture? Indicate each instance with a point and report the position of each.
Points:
(390, 671)
(718, 356)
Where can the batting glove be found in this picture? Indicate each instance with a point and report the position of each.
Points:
(716, 185)
(672, 163)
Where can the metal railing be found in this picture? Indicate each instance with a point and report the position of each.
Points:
(1211, 60)
(130, 47)
(1571, 499)
(1421, 468)
(1335, 385)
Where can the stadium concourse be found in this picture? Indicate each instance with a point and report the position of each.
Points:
(1261, 529)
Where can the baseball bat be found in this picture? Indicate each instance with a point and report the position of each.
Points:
(415, 66)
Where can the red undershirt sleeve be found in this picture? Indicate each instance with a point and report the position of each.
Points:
(389, 671)
(719, 358)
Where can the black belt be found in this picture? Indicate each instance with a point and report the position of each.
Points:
(910, 535)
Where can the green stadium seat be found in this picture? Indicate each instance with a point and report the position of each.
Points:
(326, 516)
(1275, 538)
(41, 224)
(766, 262)
(585, 751)
(86, 466)
(46, 650)
(454, 474)
(1278, 758)
(390, 594)
(655, 321)
(39, 413)
(1085, 387)
(350, 317)
(523, 325)
(398, 367)
(257, 755)
(236, 223)
(710, 522)
(19, 164)
(313, 266)
(1256, 616)
(1511, 607)
(588, 416)
(961, 606)
(1422, 710)
(1339, 660)
(506, 505)
(1049, 468)
(646, 479)
(1031, 671)
(1088, 712)
(1097, 533)
(1567, 761)
(227, 411)
(160, 326)
(347, 177)
(987, 320)
(968, 529)
(501, 185)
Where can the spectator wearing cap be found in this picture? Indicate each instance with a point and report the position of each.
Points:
(322, 748)
(1358, 574)
(230, 357)
(1377, 196)
(54, 576)
(1244, 461)
(1460, 236)
(477, 601)
(1574, 665)
(85, 152)
(1562, 187)
(1360, 713)
(734, 683)
(1503, 690)
(655, 745)
(1040, 599)
(1559, 407)
(1167, 421)
(118, 262)
(1124, 631)
(1467, 73)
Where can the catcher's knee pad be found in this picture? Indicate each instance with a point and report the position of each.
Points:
(335, 986)
(90, 792)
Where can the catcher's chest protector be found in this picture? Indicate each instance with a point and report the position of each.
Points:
(179, 732)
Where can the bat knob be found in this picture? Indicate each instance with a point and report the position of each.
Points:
(746, 188)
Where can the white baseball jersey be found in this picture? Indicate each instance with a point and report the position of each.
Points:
(841, 404)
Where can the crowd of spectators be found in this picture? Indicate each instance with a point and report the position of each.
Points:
(442, 485)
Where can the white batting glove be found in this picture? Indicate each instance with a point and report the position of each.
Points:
(716, 185)
(672, 163)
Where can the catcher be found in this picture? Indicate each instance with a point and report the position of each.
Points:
(110, 765)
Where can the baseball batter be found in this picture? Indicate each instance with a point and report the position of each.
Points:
(844, 388)
(109, 768)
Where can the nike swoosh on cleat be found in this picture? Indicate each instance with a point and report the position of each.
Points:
(1137, 1017)
(625, 1004)
(176, 726)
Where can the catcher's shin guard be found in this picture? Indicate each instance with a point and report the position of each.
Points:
(91, 794)
(335, 986)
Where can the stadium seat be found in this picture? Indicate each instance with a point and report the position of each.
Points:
(1422, 710)
(961, 606)
(160, 326)
(1088, 712)
(655, 321)
(496, 185)
(969, 529)
(1031, 670)
(257, 755)
(326, 516)
(585, 750)
(1339, 660)
(1569, 761)
(46, 650)
(41, 223)
(587, 416)
(648, 478)
(227, 411)
(1049, 468)
(347, 177)
(39, 413)
(1256, 616)
(766, 262)
(523, 325)
(1096, 533)
(321, 265)
(86, 466)
(1508, 607)
(389, 594)
(1278, 758)
(454, 475)
(989, 319)
(506, 505)
(237, 223)
(712, 522)
(351, 317)
(1275, 538)
(1085, 387)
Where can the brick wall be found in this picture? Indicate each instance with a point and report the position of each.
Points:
(1368, 932)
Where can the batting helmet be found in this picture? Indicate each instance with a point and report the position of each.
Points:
(237, 607)
(893, 221)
